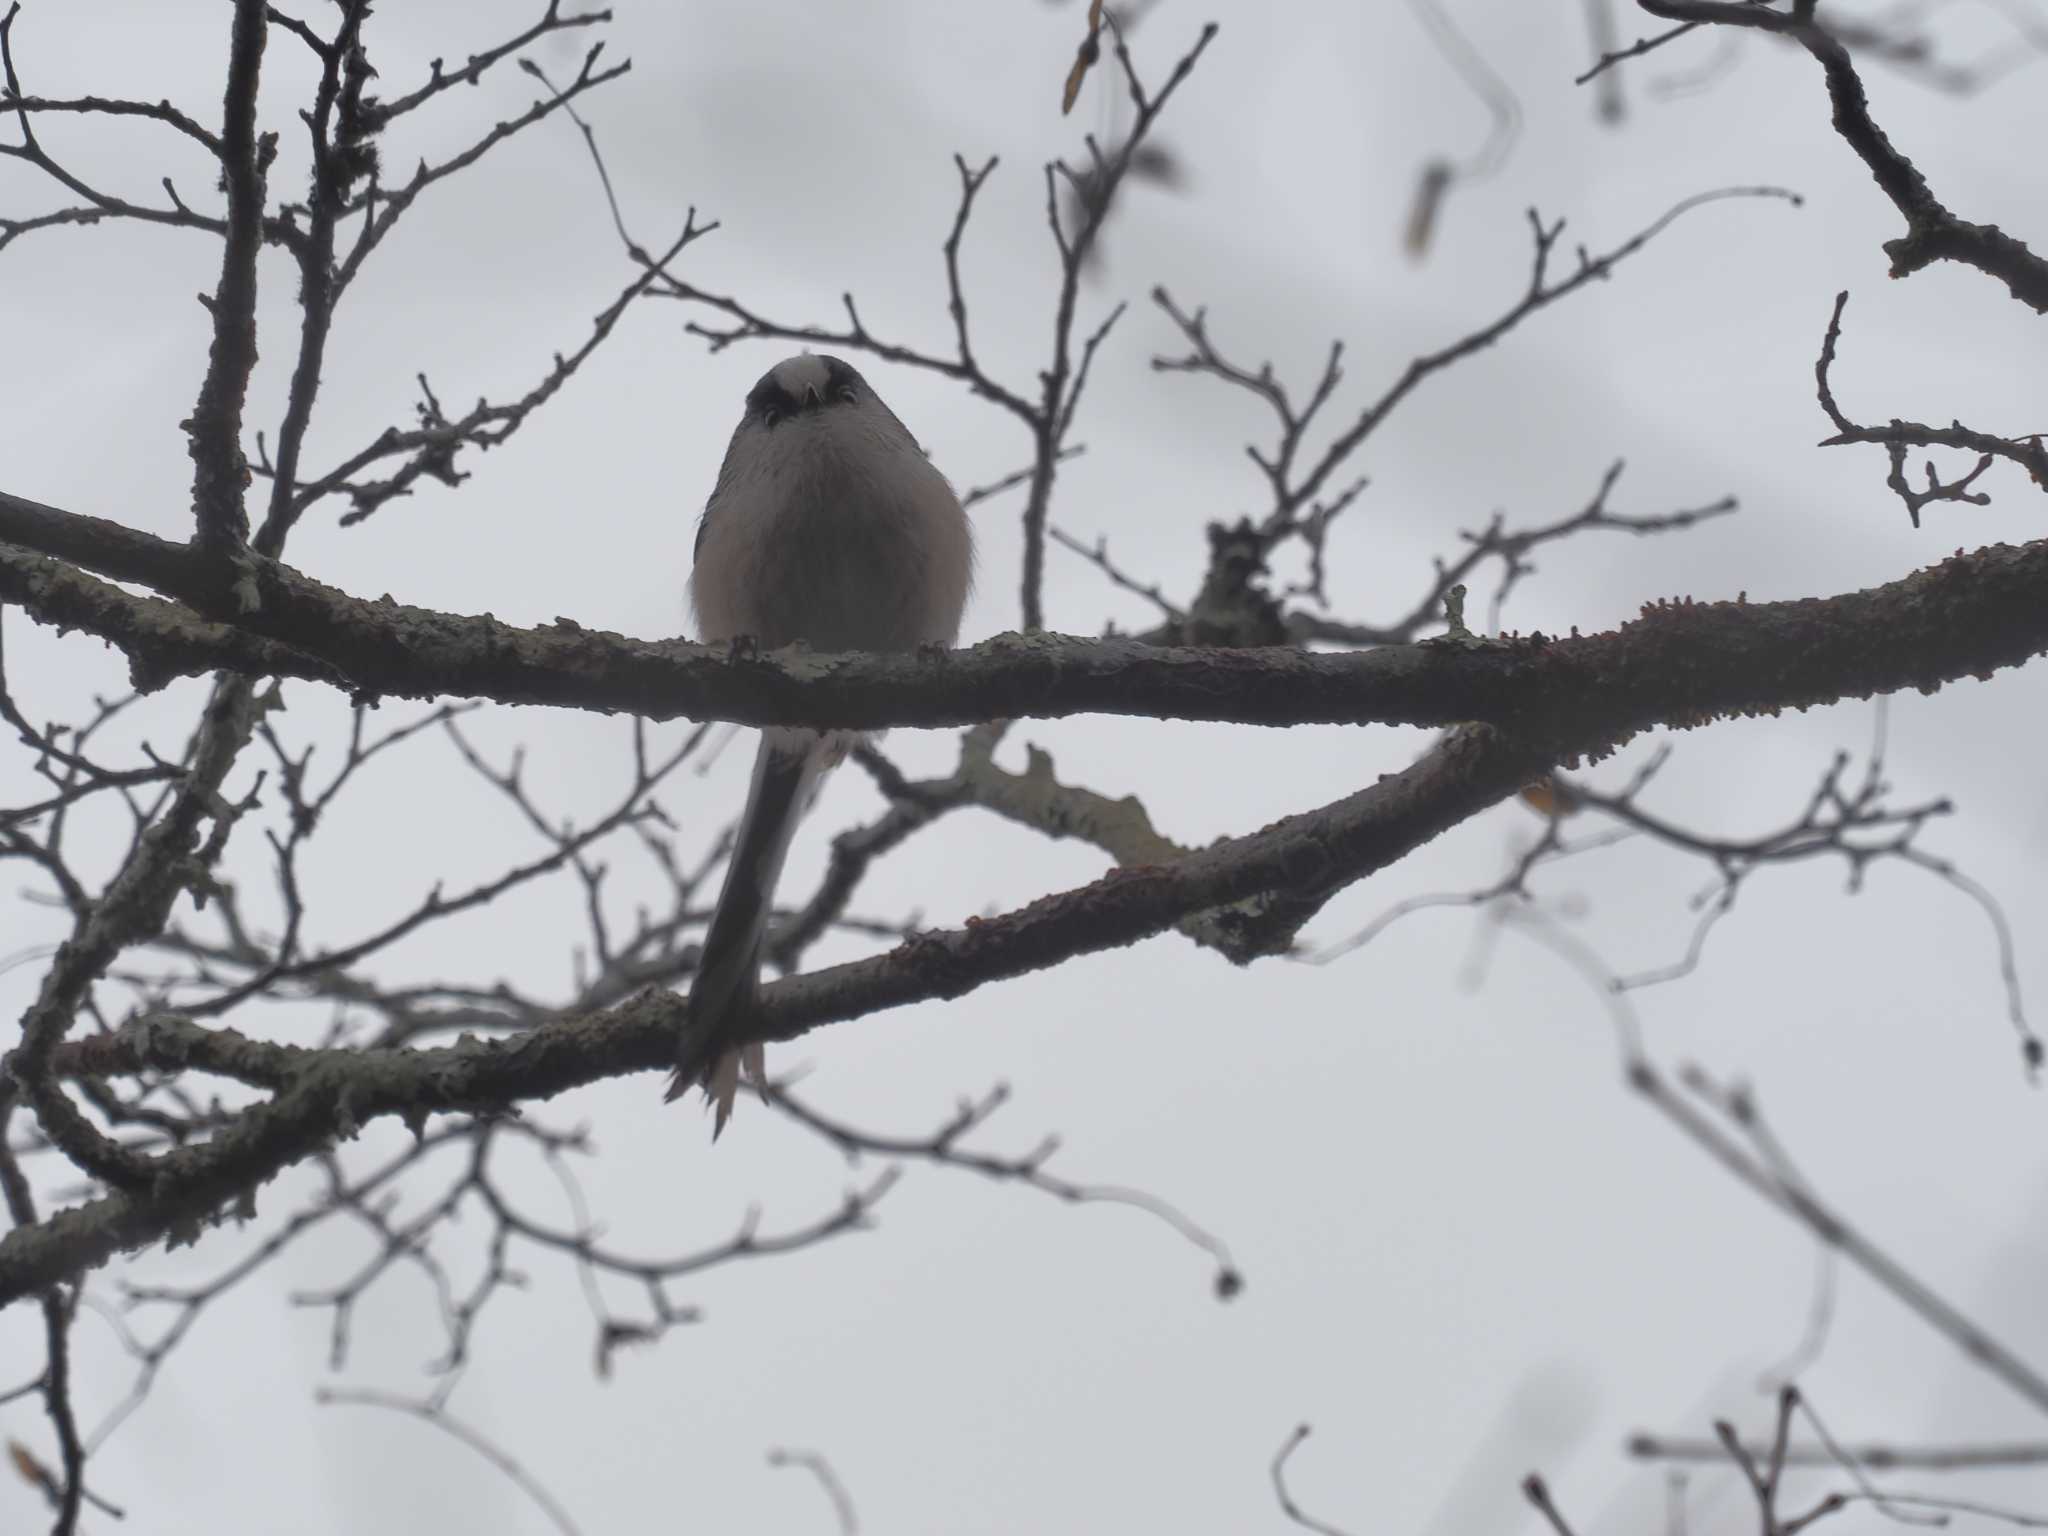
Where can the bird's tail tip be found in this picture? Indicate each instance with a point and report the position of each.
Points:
(720, 1081)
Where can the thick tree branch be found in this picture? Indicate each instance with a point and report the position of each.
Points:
(220, 474)
(143, 626)
(1680, 663)
(1034, 798)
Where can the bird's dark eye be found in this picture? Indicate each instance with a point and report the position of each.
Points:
(770, 415)
(844, 394)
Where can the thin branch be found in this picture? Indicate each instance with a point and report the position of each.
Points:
(431, 1411)
(329, 1089)
(1543, 290)
(1306, 490)
(821, 1469)
(1061, 383)
(1796, 1201)
(1288, 1507)
(1635, 50)
(1933, 233)
(342, 154)
(66, 1490)
(382, 207)
(95, 205)
(441, 79)
(943, 1147)
(432, 450)
(1876, 1458)
(1537, 1492)
(1897, 436)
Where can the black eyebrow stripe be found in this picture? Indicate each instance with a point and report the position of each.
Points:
(766, 395)
(840, 375)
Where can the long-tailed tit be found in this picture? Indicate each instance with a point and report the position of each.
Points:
(828, 526)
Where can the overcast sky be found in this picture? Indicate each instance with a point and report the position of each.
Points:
(1468, 1250)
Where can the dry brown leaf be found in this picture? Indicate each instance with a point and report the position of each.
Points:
(31, 1470)
(1551, 797)
(1084, 57)
(1430, 188)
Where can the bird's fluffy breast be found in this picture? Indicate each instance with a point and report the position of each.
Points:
(838, 533)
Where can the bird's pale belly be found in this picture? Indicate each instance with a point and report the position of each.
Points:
(845, 580)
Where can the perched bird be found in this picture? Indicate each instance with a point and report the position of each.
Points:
(828, 526)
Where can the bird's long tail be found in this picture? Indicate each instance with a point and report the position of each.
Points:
(787, 769)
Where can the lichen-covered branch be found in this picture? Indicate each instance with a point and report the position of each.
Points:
(1679, 663)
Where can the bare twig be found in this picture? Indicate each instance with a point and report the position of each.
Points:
(943, 1148)
(1897, 436)
(433, 1411)
(1875, 1458)
(821, 1469)
(1537, 1492)
(1288, 1507)
(1933, 233)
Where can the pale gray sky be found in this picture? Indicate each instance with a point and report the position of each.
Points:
(1468, 1250)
